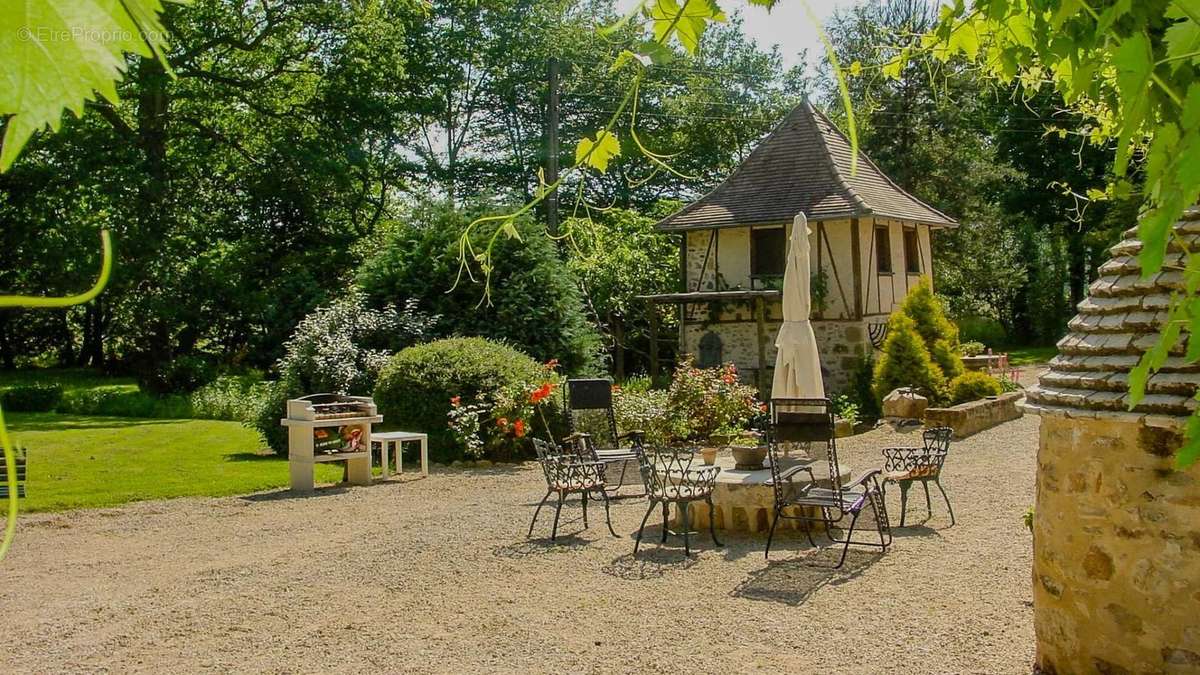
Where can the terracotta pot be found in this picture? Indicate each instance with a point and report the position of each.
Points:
(709, 455)
(748, 457)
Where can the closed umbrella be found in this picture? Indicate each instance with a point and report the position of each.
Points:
(797, 365)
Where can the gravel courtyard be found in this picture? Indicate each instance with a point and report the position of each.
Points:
(437, 575)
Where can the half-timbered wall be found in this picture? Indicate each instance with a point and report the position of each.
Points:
(882, 292)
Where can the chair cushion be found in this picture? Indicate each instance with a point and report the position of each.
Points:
(911, 474)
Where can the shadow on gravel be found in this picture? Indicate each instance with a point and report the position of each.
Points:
(792, 582)
(651, 562)
(540, 547)
(918, 530)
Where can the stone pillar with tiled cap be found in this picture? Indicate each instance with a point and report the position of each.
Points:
(1116, 535)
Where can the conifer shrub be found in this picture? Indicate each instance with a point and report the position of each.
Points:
(937, 331)
(906, 362)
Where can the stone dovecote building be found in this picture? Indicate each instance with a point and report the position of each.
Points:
(1116, 536)
(870, 242)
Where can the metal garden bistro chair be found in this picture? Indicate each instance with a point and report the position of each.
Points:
(594, 397)
(567, 474)
(905, 466)
(812, 421)
(670, 479)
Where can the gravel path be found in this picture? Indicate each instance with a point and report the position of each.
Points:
(436, 575)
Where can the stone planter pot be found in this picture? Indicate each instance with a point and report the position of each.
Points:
(748, 457)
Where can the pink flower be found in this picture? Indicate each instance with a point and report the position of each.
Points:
(502, 422)
(456, 401)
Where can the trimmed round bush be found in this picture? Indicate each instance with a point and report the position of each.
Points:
(415, 387)
(32, 398)
(972, 386)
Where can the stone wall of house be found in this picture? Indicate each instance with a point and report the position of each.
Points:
(841, 345)
(1116, 545)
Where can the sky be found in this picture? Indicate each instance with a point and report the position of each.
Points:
(787, 25)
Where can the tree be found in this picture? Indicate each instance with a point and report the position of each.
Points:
(617, 258)
(537, 307)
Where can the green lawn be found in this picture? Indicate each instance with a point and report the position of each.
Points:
(80, 461)
(1024, 356)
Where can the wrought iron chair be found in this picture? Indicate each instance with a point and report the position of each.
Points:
(812, 420)
(670, 479)
(905, 466)
(594, 396)
(567, 474)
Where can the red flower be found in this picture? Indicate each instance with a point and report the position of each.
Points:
(519, 428)
(552, 363)
(541, 393)
(762, 407)
(502, 422)
(456, 401)
(727, 378)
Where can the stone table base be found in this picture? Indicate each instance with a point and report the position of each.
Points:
(744, 501)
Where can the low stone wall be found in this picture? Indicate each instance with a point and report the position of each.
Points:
(1116, 548)
(981, 362)
(975, 416)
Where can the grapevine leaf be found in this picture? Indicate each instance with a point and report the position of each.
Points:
(1135, 65)
(688, 21)
(597, 153)
(1193, 320)
(1183, 38)
(1186, 456)
(58, 54)
(1065, 11)
(1110, 15)
(1156, 356)
(659, 53)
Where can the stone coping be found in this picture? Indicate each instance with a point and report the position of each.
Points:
(731, 476)
(1150, 420)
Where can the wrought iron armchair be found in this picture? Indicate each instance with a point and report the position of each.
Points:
(567, 474)
(812, 421)
(670, 479)
(905, 466)
(595, 396)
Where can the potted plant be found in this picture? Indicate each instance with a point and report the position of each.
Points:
(748, 451)
(721, 437)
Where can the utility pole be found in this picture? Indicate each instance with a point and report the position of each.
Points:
(552, 147)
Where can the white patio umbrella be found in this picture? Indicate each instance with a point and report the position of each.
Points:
(797, 366)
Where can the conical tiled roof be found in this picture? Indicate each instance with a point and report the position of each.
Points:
(803, 165)
(1116, 324)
